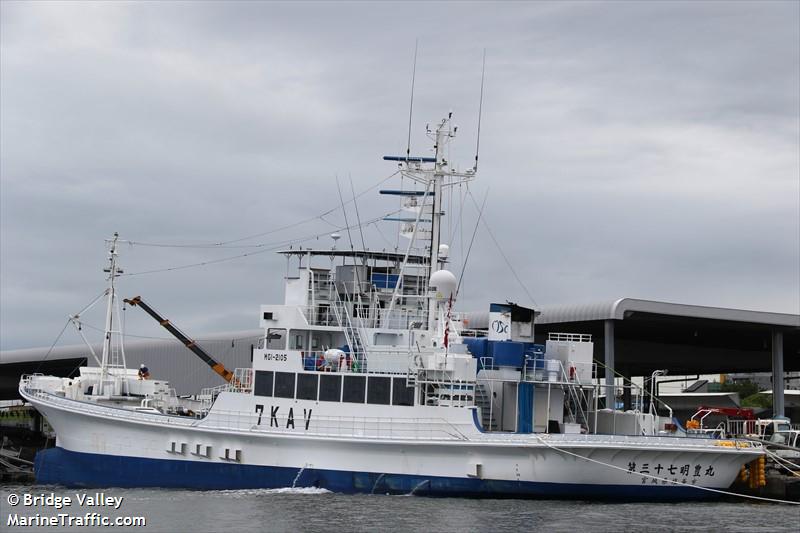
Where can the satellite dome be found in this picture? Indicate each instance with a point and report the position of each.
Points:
(443, 283)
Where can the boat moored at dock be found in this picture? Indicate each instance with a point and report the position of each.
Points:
(366, 379)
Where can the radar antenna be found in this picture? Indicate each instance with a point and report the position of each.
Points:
(411, 106)
(480, 113)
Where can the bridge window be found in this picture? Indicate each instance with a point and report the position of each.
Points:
(298, 341)
(324, 315)
(307, 386)
(330, 388)
(401, 394)
(263, 385)
(354, 388)
(378, 390)
(284, 384)
(276, 339)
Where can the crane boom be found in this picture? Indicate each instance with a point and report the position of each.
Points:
(216, 366)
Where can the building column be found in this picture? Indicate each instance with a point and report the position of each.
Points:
(608, 342)
(627, 402)
(777, 374)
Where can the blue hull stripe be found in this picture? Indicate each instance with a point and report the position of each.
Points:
(75, 469)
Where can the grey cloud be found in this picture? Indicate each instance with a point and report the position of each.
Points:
(630, 149)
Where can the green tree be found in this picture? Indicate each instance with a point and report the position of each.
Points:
(745, 388)
(758, 400)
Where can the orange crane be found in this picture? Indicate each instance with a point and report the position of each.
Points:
(217, 367)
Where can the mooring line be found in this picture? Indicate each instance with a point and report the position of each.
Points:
(719, 491)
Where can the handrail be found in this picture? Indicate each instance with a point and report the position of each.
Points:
(570, 337)
(325, 315)
(217, 419)
(419, 429)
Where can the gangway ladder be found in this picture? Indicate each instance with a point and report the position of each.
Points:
(576, 395)
(351, 333)
(574, 405)
(483, 400)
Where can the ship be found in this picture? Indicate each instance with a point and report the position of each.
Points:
(367, 380)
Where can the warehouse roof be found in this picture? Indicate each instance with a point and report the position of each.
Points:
(625, 307)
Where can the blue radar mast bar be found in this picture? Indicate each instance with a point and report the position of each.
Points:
(410, 159)
(396, 192)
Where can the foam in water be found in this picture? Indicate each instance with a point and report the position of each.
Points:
(282, 490)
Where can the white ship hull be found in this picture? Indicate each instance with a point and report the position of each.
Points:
(107, 446)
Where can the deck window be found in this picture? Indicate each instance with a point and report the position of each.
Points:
(330, 388)
(284, 384)
(263, 386)
(378, 389)
(401, 394)
(354, 389)
(307, 386)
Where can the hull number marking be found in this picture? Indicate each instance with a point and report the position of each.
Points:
(274, 422)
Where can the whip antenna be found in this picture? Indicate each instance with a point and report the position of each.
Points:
(411, 106)
(480, 112)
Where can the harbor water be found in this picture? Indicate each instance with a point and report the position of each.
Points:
(304, 509)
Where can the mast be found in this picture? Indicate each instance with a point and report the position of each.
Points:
(438, 176)
(113, 354)
(435, 180)
(436, 211)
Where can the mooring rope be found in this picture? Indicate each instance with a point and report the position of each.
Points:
(780, 462)
(615, 467)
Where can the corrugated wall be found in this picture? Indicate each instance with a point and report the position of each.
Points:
(168, 358)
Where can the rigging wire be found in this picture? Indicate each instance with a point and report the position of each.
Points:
(69, 319)
(449, 207)
(780, 462)
(321, 217)
(475, 232)
(411, 105)
(198, 339)
(358, 215)
(90, 304)
(615, 467)
(223, 244)
(273, 246)
(344, 212)
(480, 113)
(502, 253)
(39, 366)
(461, 200)
(377, 227)
(647, 393)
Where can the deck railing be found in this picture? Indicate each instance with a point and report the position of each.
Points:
(402, 319)
(262, 421)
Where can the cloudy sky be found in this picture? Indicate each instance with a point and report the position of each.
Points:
(631, 149)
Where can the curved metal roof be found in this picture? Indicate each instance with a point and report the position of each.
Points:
(377, 255)
(621, 309)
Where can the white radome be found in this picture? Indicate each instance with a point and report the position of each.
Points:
(333, 356)
(444, 283)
